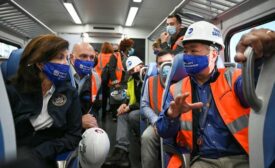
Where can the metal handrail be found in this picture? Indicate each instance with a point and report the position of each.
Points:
(248, 81)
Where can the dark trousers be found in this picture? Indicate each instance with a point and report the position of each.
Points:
(105, 96)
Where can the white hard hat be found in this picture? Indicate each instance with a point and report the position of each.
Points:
(203, 31)
(119, 95)
(132, 61)
(93, 148)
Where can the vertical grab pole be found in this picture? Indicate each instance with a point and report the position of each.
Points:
(249, 81)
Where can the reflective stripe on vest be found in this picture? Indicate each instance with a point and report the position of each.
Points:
(119, 68)
(103, 60)
(232, 113)
(186, 125)
(186, 138)
(176, 43)
(238, 124)
(155, 93)
(95, 85)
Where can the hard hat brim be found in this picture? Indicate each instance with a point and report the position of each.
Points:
(206, 42)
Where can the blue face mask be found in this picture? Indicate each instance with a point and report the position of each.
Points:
(131, 52)
(171, 30)
(82, 67)
(194, 64)
(57, 73)
(166, 70)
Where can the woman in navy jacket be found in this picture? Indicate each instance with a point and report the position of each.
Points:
(45, 106)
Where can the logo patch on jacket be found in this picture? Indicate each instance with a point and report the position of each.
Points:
(59, 100)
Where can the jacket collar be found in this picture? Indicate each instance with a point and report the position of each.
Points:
(213, 77)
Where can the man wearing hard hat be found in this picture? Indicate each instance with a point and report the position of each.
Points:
(128, 115)
(207, 111)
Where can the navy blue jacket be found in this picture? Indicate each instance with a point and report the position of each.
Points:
(63, 107)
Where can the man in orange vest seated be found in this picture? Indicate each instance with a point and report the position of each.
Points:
(171, 39)
(87, 82)
(151, 105)
(207, 112)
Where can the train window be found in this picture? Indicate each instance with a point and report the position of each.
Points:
(236, 37)
(6, 49)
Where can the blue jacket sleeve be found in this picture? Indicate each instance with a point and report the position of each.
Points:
(145, 105)
(166, 126)
(239, 91)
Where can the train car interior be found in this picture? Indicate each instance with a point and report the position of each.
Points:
(98, 21)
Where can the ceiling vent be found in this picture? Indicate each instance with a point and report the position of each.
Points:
(103, 28)
(106, 31)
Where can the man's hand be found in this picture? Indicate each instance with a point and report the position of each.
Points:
(179, 105)
(179, 41)
(88, 121)
(123, 109)
(164, 37)
(261, 40)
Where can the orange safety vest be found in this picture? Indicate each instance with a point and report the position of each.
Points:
(176, 43)
(155, 93)
(119, 68)
(233, 114)
(95, 85)
(103, 60)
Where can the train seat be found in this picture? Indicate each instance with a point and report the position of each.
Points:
(10, 66)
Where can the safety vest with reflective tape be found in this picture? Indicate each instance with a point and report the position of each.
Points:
(119, 69)
(176, 43)
(131, 91)
(155, 93)
(95, 85)
(103, 60)
(232, 113)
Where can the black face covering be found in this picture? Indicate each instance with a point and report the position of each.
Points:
(136, 76)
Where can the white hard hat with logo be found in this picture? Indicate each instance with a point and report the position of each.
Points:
(204, 31)
(93, 148)
(132, 61)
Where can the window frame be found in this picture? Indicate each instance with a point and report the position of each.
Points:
(246, 26)
(9, 43)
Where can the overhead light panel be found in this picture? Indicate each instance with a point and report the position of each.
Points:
(131, 16)
(138, 1)
(70, 8)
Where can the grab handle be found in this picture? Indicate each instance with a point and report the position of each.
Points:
(248, 81)
(162, 82)
(142, 71)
